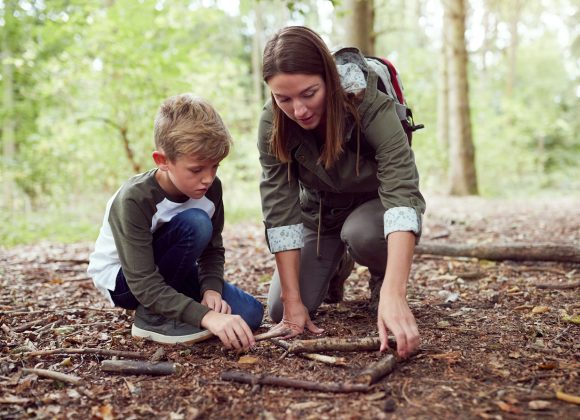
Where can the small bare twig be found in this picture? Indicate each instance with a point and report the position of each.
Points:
(376, 371)
(248, 378)
(50, 374)
(559, 286)
(323, 358)
(102, 352)
(272, 334)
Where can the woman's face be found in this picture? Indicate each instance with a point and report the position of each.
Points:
(302, 97)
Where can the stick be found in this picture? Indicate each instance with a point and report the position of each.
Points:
(102, 352)
(137, 367)
(510, 251)
(272, 334)
(561, 286)
(568, 397)
(323, 358)
(248, 378)
(334, 344)
(51, 374)
(376, 371)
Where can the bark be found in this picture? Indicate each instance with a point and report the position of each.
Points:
(462, 174)
(378, 370)
(257, 46)
(137, 367)
(513, 251)
(334, 344)
(248, 378)
(443, 99)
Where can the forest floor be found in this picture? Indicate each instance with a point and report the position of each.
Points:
(495, 342)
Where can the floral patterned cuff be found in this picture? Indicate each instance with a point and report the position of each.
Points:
(285, 238)
(399, 219)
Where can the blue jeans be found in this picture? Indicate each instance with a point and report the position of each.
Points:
(177, 245)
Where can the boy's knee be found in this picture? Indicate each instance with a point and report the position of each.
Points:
(197, 221)
(255, 316)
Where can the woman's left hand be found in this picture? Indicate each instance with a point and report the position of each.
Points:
(214, 301)
(395, 315)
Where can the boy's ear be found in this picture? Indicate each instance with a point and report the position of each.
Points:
(160, 160)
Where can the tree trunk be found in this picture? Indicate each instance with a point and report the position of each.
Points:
(257, 46)
(513, 46)
(8, 123)
(462, 175)
(359, 25)
(443, 99)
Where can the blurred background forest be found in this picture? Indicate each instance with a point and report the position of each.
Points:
(81, 81)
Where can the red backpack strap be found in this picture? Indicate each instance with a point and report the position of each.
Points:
(394, 79)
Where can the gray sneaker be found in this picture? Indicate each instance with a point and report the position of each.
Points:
(160, 329)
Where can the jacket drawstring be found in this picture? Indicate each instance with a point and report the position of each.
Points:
(319, 226)
(289, 168)
(357, 149)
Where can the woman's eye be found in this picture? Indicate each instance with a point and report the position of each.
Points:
(309, 94)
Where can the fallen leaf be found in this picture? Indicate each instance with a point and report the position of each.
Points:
(538, 405)
(248, 360)
(508, 408)
(540, 309)
(572, 319)
(376, 396)
(515, 355)
(443, 324)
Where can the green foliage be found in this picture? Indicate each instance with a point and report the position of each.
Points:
(89, 76)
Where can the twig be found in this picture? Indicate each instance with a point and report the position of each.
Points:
(248, 378)
(323, 358)
(32, 323)
(376, 371)
(136, 367)
(334, 344)
(560, 286)
(102, 352)
(568, 397)
(51, 374)
(272, 334)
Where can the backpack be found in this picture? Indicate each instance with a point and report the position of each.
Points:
(390, 84)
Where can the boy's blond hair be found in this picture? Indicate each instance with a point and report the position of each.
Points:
(188, 125)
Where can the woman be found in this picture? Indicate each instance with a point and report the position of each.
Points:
(337, 174)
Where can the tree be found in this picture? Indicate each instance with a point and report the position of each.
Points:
(359, 25)
(462, 173)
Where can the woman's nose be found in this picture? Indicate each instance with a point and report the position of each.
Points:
(299, 109)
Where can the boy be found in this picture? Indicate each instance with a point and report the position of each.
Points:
(160, 248)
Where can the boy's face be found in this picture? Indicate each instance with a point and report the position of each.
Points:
(187, 175)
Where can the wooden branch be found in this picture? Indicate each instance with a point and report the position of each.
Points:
(102, 352)
(51, 374)
(272, 334)
(323, 358)
(560, 286)
(513, 251)
(334, 344)
(376, 371)
(137, 367)
(248, 378)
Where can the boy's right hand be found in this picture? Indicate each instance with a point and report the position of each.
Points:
(232, 330)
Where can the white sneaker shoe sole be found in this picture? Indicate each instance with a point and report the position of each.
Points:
(167, 339)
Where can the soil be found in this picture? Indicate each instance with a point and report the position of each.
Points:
(493, 344)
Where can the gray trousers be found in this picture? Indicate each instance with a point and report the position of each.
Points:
(361, 234)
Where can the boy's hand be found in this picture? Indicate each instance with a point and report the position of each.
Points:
(232, 330)
(213, 300)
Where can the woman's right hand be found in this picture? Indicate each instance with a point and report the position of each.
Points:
(295, 319)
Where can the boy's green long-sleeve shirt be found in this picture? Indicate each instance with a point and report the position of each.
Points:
(125, 241)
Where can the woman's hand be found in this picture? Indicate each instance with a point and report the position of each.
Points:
(213, 300)
(295, 319)
(394, 315)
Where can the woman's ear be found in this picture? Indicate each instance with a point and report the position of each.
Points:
(160, 160)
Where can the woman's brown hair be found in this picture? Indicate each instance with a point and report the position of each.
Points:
(300, 50)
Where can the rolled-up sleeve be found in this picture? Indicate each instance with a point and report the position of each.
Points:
(279, 193)
(397, 173)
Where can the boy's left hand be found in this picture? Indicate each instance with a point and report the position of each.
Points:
(214, 301)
